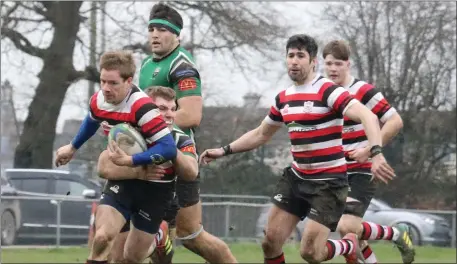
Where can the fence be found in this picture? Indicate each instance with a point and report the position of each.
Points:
(231, 217)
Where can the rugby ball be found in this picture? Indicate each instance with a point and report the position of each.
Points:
(127, 138)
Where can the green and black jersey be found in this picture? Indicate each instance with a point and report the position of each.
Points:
(177, 70)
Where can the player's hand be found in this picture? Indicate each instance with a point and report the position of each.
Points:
(381, 169)
(64, 154)
(360, 155)
(154, 172)
(210, 154)
(117, 155)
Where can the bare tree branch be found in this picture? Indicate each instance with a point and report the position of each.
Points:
(89, 73)
(23, 43)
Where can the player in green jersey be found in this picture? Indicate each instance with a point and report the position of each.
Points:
(172, 66)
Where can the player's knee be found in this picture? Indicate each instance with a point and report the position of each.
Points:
(270, 241)
(183, 232)
(132, 256)
(102, 239)
(308, 251)
(349, 224)
(116, 258)
(344, 228)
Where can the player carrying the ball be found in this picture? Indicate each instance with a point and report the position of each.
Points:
(185, 166)
(141, 202)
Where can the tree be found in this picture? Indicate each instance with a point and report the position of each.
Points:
(233, 23)
(58, 72)
(407, 49)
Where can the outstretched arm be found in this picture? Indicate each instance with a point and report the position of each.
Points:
(249, 141)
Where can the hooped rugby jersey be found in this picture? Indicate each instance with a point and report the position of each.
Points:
(354, 136)
(137, 109)
(313, 114)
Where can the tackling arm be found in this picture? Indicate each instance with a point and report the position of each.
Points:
(186, 166)
(110, 171)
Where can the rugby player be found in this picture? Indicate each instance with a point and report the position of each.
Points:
(120, 101)
(357, 151)
(172, 66)
(185, 166)
(316, 184)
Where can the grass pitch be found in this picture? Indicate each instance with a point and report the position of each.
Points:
(244, 252)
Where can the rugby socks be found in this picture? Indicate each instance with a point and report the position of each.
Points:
(369, 255)
(372, 231)
(96, 261)
(276, 260)
(338, 248)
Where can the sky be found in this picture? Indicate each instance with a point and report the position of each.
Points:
(218, 74)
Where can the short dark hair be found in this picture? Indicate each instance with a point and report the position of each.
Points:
(338, 49)
(165, 12)
(303, 41)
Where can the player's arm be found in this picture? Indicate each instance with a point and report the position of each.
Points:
(262, 134)
(110, 171)
(87, 129)
(376, 102)
(156, 132)
(186, 164)
(391, 128)
(359, 113)
(250, 140)
(254, 138)
(186, 82)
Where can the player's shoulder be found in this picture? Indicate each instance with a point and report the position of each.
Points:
(181, 138)
(182, 57)
(187, 55)
(177, 130)
(183, 66)
(360, 85)
(146, 60)
(138, 96)
(361, 82)
(323, 82)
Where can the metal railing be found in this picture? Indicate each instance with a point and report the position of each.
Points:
(231, 217)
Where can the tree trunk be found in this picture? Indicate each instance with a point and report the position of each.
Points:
(35, 149)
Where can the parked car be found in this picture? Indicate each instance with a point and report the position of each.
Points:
(10, 214)
(425, 228)
(39, 216)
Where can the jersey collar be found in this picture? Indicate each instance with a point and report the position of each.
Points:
(159, 59)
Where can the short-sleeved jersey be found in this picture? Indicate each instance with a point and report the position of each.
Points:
(186, 145)
(137, 109)
(354, 136)
(177, 70)
(313, 114)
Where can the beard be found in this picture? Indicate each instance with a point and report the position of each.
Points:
(299, 77)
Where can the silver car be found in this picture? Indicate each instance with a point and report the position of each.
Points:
(10, 214)
(425, 228)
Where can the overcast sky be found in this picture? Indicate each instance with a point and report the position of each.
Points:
(218, 75)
